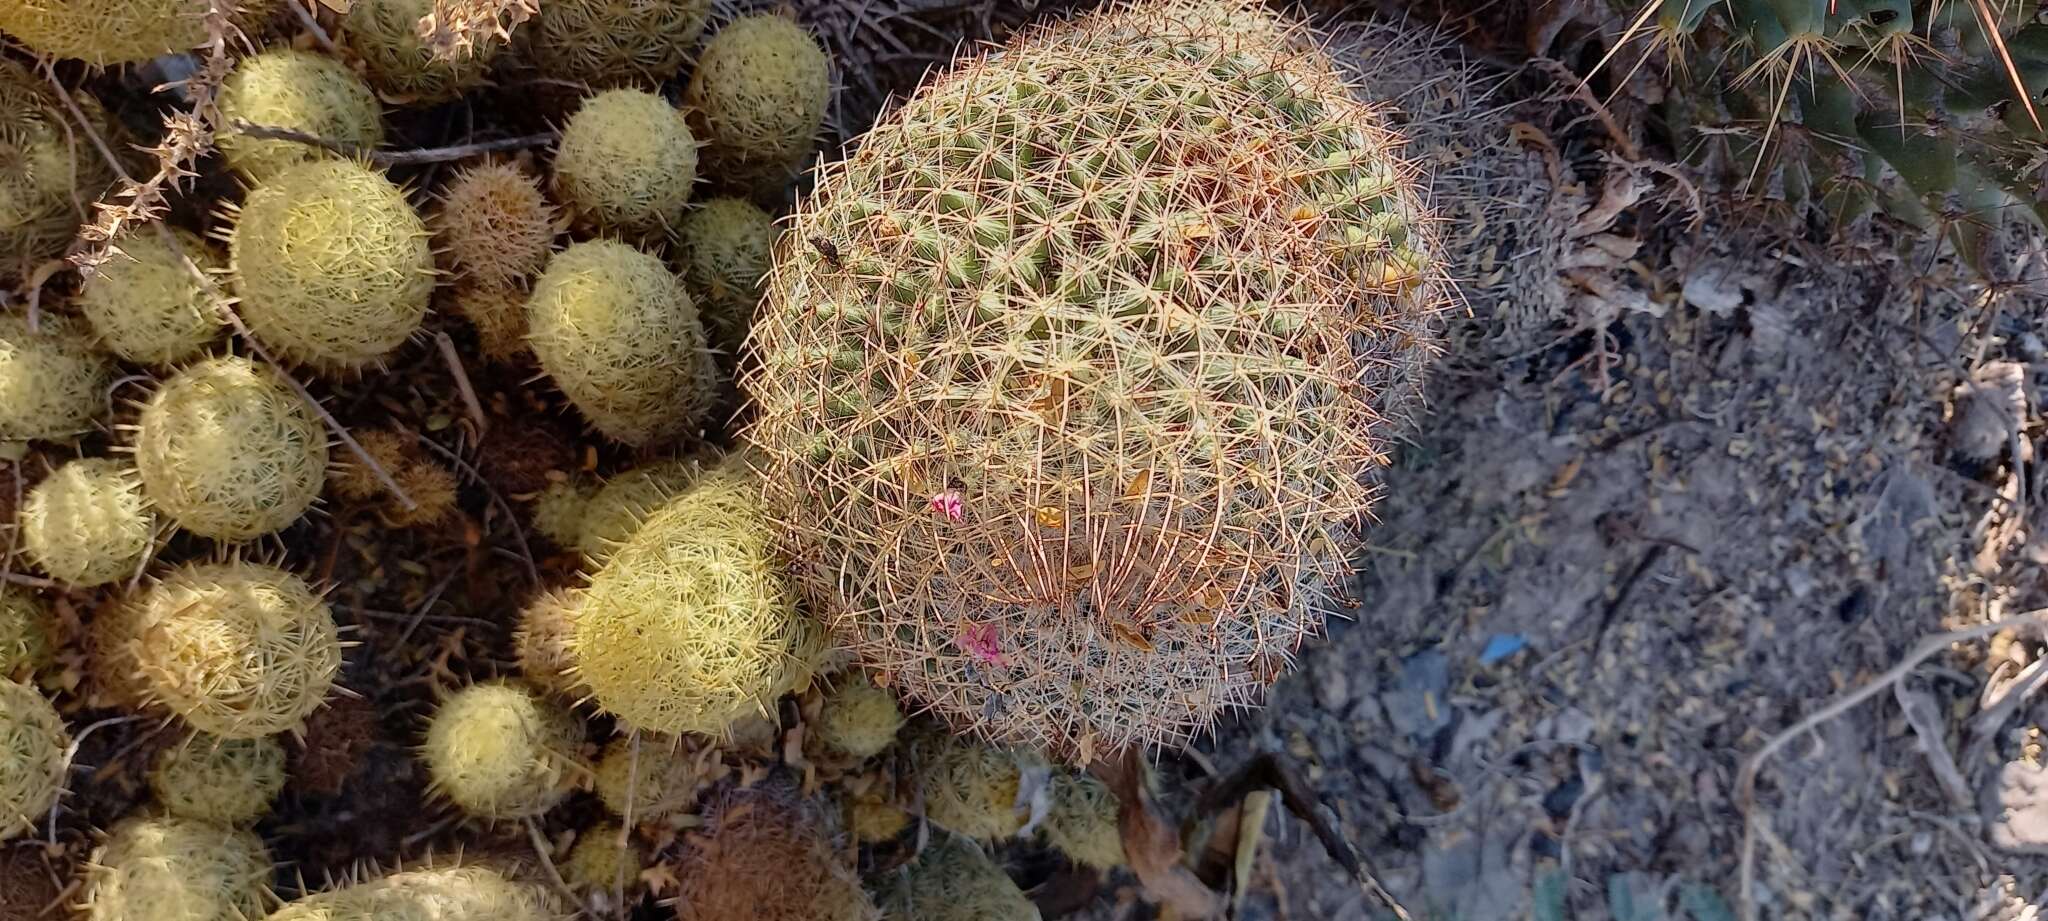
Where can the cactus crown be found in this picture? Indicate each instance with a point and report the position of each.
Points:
(605, 42)
(144, 303)
(693, 624)
(52, 381)
(228, 451)
(618, 334)
(499, 752)
(952, 880)
(663, 779)
(229, 781)
(763, 855)
(385, 35)
(758, 95)
(1091, 368)
(724, 247)
(27, 639)
(88, 523)
(32, 744)
(299, 90)
(858, 718)
(240, 650)
(332, 265)
(495, 225)
(627, 162)
(173, 869)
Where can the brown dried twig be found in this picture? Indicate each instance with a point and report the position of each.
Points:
(388, 158)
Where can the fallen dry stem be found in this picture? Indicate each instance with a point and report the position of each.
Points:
(387, 158)
(1745, 781)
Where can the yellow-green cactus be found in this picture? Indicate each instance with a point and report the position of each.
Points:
(333, 266)
(952, 880)
(603, 857)
(615, 512)
(145, 303)
(626, 162)
(44, 174)
(32, 745)
(300, 91)
(27, 633)
(1082, 822)
(385, 35)
(858, 718)
(52, 381)
(228, 451)
(663, 778)
(693, 624)
(108, 32)
(618, 334)
(173, 869)
(88, 522)
(757, 99)
(465, 893)
(611, 42)
(240, 650)
(724, 248)
(229, 781)
(969, 787)
(559, 510)
(500, 752)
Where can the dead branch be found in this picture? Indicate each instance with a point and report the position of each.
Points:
(388, 158)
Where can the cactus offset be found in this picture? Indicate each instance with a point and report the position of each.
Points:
(43, 173)
(385, 35)
(610, 42)
(495, 226)
(858, 718)
(32, 745)
(1082, 822)
(144, 303)
(228, 781)
(1092, 366)
(300, 91)
(332, 265)
(560, 509)
(463, 893)
(757, 99)
(52, 381)
(107, 32)
(763, 856)
(499, 752)
(626, 162)
(618, 334)
(27, 633)
(88, 523)
(953, 881)
(724, 248)
(240, 650)
(602, 857)
(693, 624)
(226, 450)
(664, 778)
(542, 642)
(970, 788)
(173, 869)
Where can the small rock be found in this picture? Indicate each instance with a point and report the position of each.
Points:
(2015, 807)
(1333, 687)
(1990, 408)
(1713, 288)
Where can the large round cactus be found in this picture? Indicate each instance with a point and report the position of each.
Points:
(1073, 377)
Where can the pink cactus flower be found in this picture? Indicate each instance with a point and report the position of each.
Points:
(949, 505)
(981, 643)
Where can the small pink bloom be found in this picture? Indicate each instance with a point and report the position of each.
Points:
(949, 504)
(980, 642)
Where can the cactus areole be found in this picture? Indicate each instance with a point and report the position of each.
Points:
(1073, 378)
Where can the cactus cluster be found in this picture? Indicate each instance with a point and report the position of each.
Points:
(300, 91)
(43, 174)
(227, 781)
(618, 334)
(27, 633)
(32, 744)
(626, 162)
(1090, 368)
(763, 855)
(951, 880)
(500, 752)
(228, 451)
(385, 36)
(724, 247)
(176, 869)
(52, 381)
(757, 99)
(461, 893)
(108, 32)
(608, 42)
(692, 624)
(331, 263)
(240, 650)
(88, 522)
(145, 304)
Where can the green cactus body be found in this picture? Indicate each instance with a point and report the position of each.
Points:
(692, 624)
(858, 718)
(660, 776)
(618, 507)
(27, 633)
(32, 763)
(385, 35)
(229, 781)
(724, 249)
(463, 893)
(618, 334)
(603, 857)
(43, 174)
(108, 32)
(951, 880)
(626, 162)
(174, 869)
(227, 451)
(611, 42)
(300, 91)
(500, 752)
(52, 381)
(971, 788)
(1082, 822)
(88, 522)
(144, 303)
(332, 264)
(757, 99)
(1066, 319)
(240, 650)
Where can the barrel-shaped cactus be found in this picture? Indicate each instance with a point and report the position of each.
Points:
(52, 380)
(88, 522)
(612, 42)
(762, 854)
(457, 893)
(229, 781)
(145, 303)
(32, 744)
(385, 35)
(44, 173)
(627, 162)
(757, 99)
(953, 881)
(241, 650)
(501, 752)
(28, 637)
(175, 869)
(107, 32)
(298, 91)
(228, 451)
(1090, 350)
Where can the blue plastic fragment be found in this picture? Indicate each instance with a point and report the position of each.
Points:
(1500, 646)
